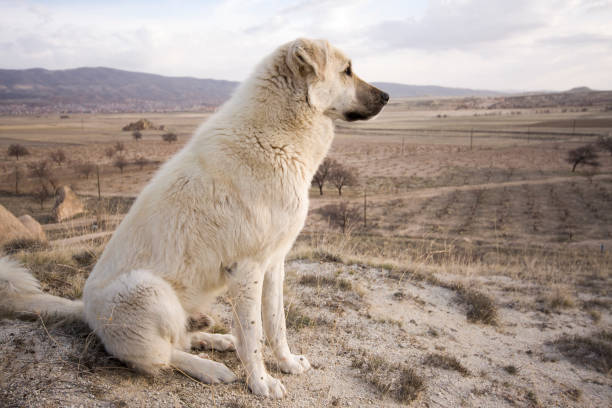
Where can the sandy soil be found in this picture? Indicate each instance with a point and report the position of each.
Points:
(339, 327)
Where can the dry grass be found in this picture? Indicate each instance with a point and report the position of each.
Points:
(557, 299)
(296, 318)
(446, 362)
(511, 369)
(480, 307)
(17, 245)
(399, 381)
(61, 272)
(321, 280)
(593, 351)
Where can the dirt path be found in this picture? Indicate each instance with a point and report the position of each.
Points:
(79, 222)
(318, 201)
(66, 242)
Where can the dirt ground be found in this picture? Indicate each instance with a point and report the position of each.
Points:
(481, 278)
(358, 335)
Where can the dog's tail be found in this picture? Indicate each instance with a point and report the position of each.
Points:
(21, 296)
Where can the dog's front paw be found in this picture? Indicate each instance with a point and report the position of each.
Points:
(294, 364)
(267, 386)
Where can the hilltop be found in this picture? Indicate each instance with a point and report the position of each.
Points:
(107, 89)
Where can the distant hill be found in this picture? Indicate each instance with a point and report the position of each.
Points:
(37, 91)
(107, 89)
(580, 89)
(410, 91)
(577, 97)
(101, 89)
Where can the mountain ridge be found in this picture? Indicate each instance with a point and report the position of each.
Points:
(110, 89)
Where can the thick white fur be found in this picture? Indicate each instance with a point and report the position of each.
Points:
(222, 214)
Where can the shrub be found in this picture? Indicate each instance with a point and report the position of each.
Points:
(120, 163)
(109, 152)
(343, 215)
(119, 147)
(86, 169)
(141, 162)
(58, 156)
(169, 137)
(137, 135)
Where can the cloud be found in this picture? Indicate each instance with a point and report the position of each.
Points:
(459, 25)
(536, 44)
(579, 39)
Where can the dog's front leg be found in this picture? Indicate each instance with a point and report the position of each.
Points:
(245, 289)
(274, 321)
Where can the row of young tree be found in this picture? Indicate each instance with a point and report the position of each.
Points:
(336, 174)
(47, 178)
(588, 155)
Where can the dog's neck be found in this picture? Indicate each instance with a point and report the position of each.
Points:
(274, 110)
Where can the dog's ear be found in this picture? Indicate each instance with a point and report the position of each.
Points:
(306, 57)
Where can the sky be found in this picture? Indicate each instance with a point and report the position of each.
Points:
(483, 44)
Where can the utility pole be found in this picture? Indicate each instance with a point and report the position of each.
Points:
(528, 133)
(98, 175)
(471, 137)
(365, 205)
(16, 179)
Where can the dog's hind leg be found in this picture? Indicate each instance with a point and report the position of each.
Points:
(141, 321)
(207, 371)
(213, 341)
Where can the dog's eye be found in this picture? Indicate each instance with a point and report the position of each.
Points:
(348, 71)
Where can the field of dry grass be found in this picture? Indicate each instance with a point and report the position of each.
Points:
(482, 275)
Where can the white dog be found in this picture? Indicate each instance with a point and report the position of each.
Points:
(222, 213)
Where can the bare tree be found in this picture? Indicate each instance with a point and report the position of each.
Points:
(17, 150)
(169, 137)
(42, 194)
(137, 135)
(141, 162)
(109, 152)
(17, 175)
(585, 155)
(323, 173)
(58, 156)
(42, 171)
(342, 215)
(120, 163)
(119, 147)
(605, 144)
(341, 176)
(86, 169)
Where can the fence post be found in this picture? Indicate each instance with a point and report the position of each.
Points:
(365, 206)
(528, 133)
(98, 175)
(471, 137)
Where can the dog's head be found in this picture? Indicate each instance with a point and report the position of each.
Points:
(332, 86)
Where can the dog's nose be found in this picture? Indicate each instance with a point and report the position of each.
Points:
(384, 97)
